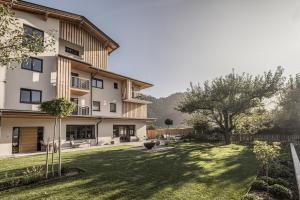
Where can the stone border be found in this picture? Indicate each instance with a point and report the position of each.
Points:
(296, 166)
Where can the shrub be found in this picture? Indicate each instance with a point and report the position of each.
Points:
(149, 145)
(251, 197)
(277, 170)
(280, 191)
(272, 181)
(259, 185)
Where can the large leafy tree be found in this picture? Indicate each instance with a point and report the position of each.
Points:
(225, 100)
(16, 45)
(59, 108)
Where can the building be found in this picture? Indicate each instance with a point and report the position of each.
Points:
(108, 108)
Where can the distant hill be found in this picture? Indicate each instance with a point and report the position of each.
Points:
(163, 108)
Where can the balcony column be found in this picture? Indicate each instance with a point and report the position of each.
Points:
(129, 89)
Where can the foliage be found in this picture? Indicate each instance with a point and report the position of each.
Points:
(281, 192)
(279, 170)
(151, 127)
(288, 112)
(58, 107)
(15, 46)
(266, 153)
(225, 100)
(199, 123)
(254, 122)
(259, 185)
(272, 181)
(251, 197)
(168, 122)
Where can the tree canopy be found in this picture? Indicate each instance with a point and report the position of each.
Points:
(226, 99)
(15, 44)
(58, 107)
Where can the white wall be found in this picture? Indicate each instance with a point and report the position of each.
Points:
(21, 78)
(105, 131)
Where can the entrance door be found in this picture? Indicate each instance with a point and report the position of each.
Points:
(28, 140)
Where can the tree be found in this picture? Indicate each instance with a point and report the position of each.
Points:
(225, 100)
(199, 123)
(15, 44)
(266, 153)
(59, 108)
(169, 123)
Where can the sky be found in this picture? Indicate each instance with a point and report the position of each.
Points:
(171, 43)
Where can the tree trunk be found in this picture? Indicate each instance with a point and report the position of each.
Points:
(47, 156)
(227, 133)
(59, 148)
(53, 141)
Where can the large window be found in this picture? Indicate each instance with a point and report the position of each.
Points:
(97, 83)
(79, 132)
(116, 85)
(33, 64)
(72, 51)
(96, 105)
(30, 96)
(113, 107)
(33, 38)
(123, 130)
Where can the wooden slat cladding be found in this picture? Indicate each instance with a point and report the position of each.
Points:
(95, 52)
(63, 78)
(134, 110)
(28, 140)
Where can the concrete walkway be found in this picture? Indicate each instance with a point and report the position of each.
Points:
(134, 144)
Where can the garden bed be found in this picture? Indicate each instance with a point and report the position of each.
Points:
(280, 183)
(34, 175)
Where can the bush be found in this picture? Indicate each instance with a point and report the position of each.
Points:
(259, 185)
(149, 145)
(251, 197)
(272, 181)
(277, 170)
(280, 191)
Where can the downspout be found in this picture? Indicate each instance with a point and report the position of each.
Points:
(97, 129)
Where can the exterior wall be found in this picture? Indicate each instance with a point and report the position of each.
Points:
(106, 96)
(20, 78)
(105, 131)
(95, 52)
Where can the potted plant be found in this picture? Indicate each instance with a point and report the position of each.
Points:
(149, 145)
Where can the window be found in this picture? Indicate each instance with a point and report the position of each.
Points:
(29, 33)
(96, 105)
(123, 130)
(97, 83)
(33, 64)
(30, 96)
(113, 107)
(79, 132)
(116, 85)
(72, 51)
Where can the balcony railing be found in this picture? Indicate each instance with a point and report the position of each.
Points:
(80, 83)
(136, 94)
(81, 110)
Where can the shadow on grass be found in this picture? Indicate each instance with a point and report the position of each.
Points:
(134, 174)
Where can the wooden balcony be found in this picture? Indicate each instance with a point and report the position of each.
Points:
(79, 86)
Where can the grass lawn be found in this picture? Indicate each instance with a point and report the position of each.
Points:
(191, 171)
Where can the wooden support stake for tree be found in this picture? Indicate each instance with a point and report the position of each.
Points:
(47, 156)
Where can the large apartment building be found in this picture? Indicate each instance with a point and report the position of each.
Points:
(108, 108)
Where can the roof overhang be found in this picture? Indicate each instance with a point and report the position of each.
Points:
(81, 65)
(46, 12)
(9, 113)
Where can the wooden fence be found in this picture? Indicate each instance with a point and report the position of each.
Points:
(151, 134)
(266, 137)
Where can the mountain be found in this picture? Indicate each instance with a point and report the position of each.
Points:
(163, 108)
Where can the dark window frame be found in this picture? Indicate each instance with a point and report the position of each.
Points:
(116, 85)
(36, 29)
(110, 107)
(69, 130)
(97, 79)
(72, 51)
(31, 66)
(99, 105)
(31, 90)
(129, 128)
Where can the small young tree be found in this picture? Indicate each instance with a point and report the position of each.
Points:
(169, 123)
(15, 44)
(266, 153)
(59, 108)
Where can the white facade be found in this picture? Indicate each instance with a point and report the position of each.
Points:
(11, 82)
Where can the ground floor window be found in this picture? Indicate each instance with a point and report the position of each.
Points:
(123, 130)
(79, 132)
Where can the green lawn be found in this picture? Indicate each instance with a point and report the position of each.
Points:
(190, 171)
